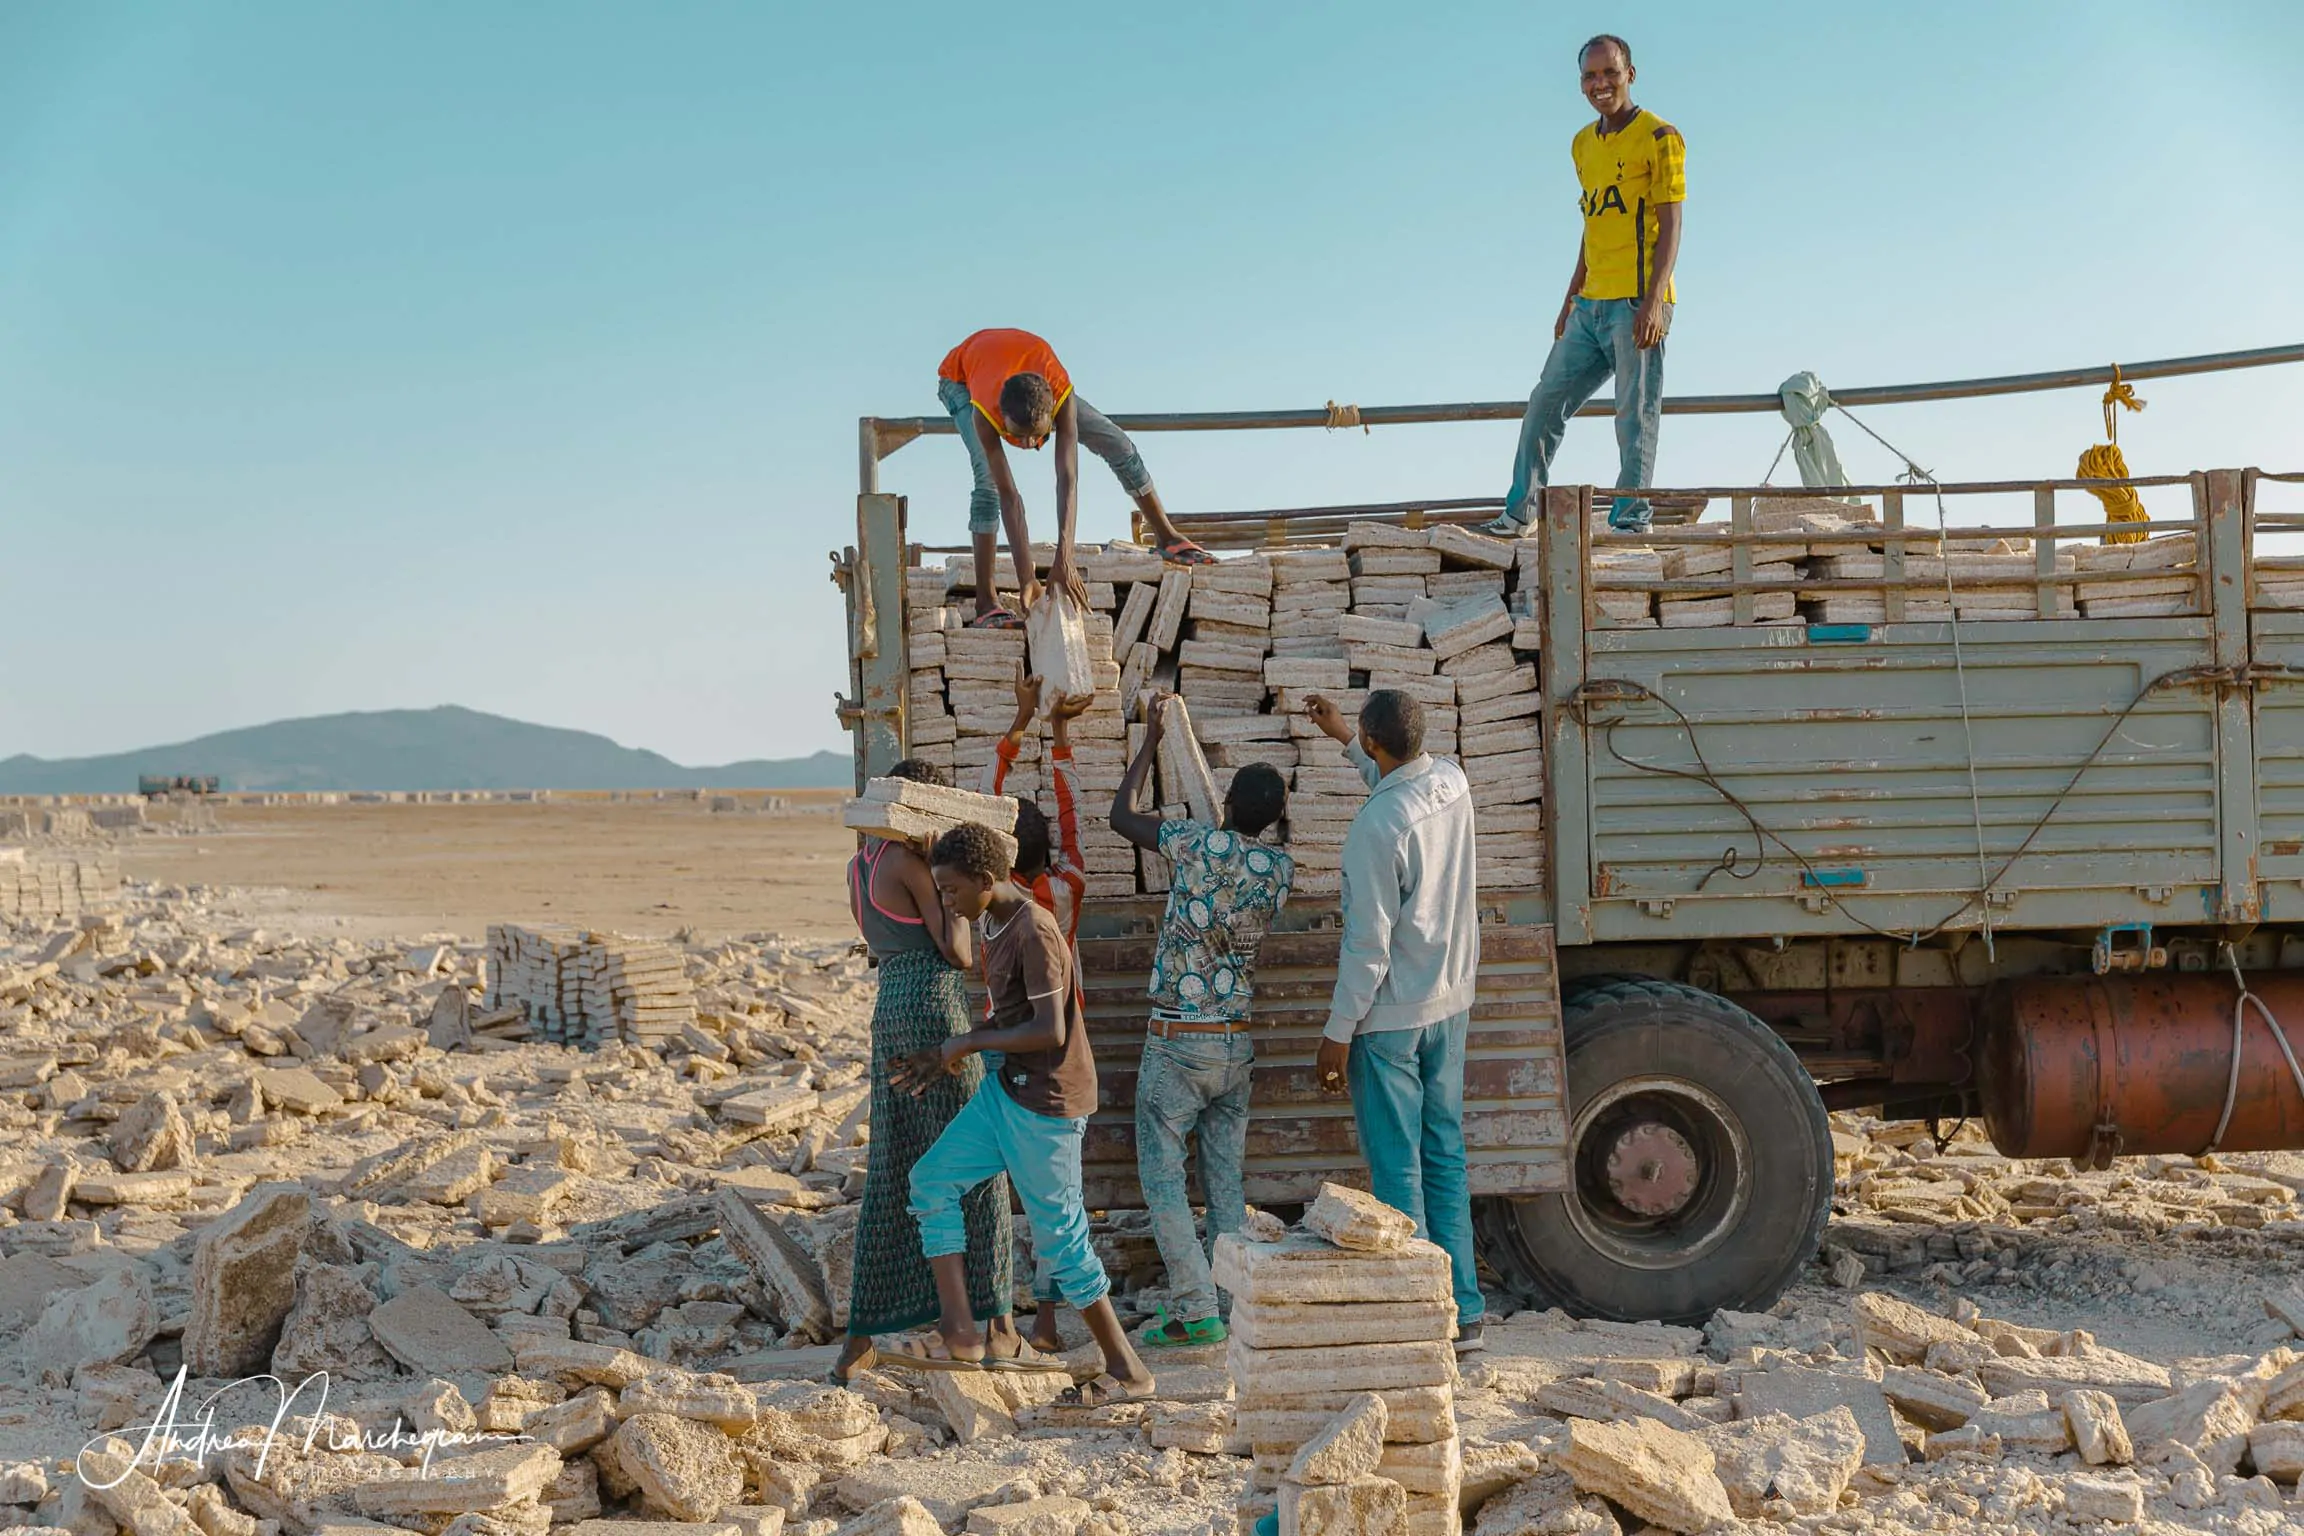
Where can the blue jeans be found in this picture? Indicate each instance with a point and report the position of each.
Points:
(1041, 1156)
(1597, 343)
(1192, 1081)
(1408, 1102)
(1097, 435)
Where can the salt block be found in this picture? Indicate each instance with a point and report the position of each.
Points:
(1168, 609)
(1804, 1463)
(1299, 1325)
(1348, 1449)
(483, 1480)
(2098, 1433)
(1057, 633)
(428, 1331)
(1413, 1415)
(1371, 1506)
(1181, 748)
(1662, 1475)
(995, 811)
(1474, 549)
(1347, 1368)
(1305, 1268)
(2096, 1496)
(1355, 1219)
(1054, 1515)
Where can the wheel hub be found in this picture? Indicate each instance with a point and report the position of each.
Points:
(1652, 1170)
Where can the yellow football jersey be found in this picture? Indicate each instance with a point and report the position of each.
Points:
(1624, 176)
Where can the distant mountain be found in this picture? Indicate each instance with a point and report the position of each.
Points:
(444, 748)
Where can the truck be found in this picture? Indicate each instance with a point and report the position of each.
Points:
(2048, 874)
(159, 786)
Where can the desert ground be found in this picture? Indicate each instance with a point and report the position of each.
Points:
(643, 867)
(259, 1113)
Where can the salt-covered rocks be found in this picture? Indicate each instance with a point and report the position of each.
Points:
(151, 1134)
(1664, 1476)
(1348, 1449)
(682, 1469)
(244, 1281)
(102, 1323)
(327, 1328)
(1354, 1219)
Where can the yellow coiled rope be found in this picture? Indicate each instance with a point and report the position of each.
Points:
(2104, 462)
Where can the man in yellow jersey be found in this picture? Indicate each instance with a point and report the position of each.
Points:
(1632, 168)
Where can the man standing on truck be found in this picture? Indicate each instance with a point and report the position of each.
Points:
(1225, 887)
(1007, 386)
(1632, 168)
(1405, 978)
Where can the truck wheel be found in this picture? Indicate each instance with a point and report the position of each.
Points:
(1700, 1163)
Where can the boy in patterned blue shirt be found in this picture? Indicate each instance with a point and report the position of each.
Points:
(1223, 892)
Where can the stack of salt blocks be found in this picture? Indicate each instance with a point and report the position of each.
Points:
(1341, 1339)
(1445, 614)
(1802, 540)
(962, 697)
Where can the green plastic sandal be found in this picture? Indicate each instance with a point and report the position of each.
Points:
(1175, 1333)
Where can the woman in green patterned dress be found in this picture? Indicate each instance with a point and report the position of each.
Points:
(923, 953)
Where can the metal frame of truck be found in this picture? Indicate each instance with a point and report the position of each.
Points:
(1920, 867)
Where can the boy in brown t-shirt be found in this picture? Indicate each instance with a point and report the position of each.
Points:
(1025, 1121)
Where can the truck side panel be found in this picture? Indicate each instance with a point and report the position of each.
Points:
(2279, 716)
(1856, 756)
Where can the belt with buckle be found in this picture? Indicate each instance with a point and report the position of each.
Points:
(1168, 1029)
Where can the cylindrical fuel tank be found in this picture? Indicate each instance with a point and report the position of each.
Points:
(2096, 1067)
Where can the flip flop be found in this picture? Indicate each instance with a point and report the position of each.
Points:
(1104, 1391)
(1183, 551)
(922, 1355)
(1027, 1361)
(998, 618)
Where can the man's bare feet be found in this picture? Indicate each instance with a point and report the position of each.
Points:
(1045, 1336)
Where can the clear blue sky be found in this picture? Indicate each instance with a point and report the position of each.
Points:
(358, 356)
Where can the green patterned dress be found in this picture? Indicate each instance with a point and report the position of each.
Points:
(922, 1002)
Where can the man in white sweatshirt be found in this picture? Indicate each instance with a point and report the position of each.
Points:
(1405, 979)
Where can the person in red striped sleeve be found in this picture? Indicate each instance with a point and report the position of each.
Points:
(1055, 875)
(1057, 880)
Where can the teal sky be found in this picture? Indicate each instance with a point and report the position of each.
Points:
(361, 356)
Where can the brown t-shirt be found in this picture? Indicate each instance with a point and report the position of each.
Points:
(1025, 960)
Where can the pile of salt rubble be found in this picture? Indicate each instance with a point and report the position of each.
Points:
(229, 1151)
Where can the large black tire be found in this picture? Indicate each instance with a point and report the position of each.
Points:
(1735, 1202)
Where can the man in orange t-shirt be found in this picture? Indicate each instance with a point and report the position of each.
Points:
(1008, 387)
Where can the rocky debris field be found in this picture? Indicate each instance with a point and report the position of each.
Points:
(546, 1288)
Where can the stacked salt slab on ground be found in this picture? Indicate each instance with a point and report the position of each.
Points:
(48, 886)
(1343, 1373)
(588, 989)
(1445, 614)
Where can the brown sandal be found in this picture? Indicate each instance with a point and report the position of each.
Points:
(1105, 1390)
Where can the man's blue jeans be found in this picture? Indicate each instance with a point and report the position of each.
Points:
(1597, 343)
(1408, 1101)
(1187, 1083)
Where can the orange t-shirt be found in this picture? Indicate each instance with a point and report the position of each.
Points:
(988, 359)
